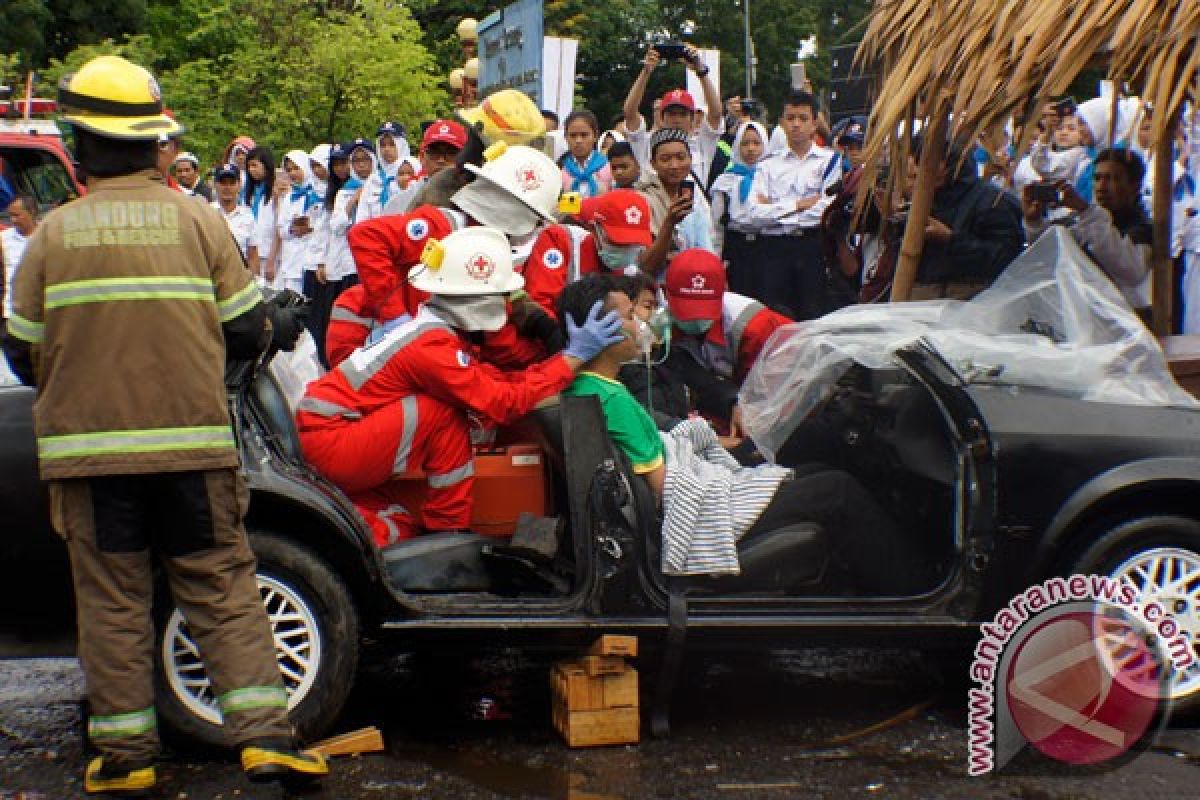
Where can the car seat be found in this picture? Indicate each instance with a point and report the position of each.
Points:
(276, 415)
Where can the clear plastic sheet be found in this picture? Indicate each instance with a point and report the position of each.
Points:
(1052, 320)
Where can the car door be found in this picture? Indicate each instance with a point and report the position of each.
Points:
(35, 583)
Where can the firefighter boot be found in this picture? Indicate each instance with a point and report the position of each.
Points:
(276, 759)
(119, 780)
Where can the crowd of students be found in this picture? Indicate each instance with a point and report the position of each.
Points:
(732, 228)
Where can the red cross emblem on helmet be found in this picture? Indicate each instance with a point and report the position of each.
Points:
(443, 128)
(633, 215)
(480, 266)
(528, 177)
(697, 282)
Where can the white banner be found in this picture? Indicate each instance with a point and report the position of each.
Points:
(558, 74)
(712, 60)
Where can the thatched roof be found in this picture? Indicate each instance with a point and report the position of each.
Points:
(988, 60)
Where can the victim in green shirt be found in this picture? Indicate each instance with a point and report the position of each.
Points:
(631, 428)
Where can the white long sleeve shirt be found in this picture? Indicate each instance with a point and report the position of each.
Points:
(779, 182)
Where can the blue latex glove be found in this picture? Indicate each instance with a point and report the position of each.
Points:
(587, 341)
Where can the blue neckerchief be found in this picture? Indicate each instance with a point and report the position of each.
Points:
(747, 178)
(260, 191)
(384, 192)
(354, 182)
(1185, 187)
(585, 174)
(310, 197)
(1085, 183)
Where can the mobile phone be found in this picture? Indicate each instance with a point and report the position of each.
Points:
(687, 188)
(1044, 192)
(799, 76)
(750, 107)
(670, 51)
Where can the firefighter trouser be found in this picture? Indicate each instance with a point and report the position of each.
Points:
(419, 433)
(193, 522)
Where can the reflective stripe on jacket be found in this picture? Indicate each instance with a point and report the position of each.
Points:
(125, 291)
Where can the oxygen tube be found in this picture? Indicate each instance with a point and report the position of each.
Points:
(650, 334)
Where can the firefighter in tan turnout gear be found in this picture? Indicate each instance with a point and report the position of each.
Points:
(126, 304)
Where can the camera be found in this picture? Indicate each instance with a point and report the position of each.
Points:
(1044, 192)
(750, 107)
(1065, 107)
(671, 51)
(687, 188)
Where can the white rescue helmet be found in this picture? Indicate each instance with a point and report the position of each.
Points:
(468, 262)
(527, 174)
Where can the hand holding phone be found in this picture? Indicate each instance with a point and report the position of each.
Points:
(687, 188)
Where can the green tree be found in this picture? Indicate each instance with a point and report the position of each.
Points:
(80, 22)
(327, 74)
(23, 25)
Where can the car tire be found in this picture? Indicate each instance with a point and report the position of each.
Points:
(1154, 552)
(310, 609)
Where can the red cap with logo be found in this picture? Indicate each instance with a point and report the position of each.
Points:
(678, 97)
(695, 287)
(623, 214)
(445, 131)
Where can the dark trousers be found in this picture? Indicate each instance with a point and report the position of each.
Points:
(323, 296)
(792, 275)
(115, 527)
(866, 543)
(743, 263)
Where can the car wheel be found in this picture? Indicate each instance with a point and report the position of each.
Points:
(315, 627)
(1160, 556)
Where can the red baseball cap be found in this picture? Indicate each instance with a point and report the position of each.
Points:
(445, 131)
(623, 214)
(695, 286)
(678, 97)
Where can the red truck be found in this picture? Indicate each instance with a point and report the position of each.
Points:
(33, 158)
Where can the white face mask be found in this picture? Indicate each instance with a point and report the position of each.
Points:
(487, 313)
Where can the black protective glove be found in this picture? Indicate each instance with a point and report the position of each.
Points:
(287, 324)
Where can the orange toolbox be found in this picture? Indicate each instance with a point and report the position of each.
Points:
(509, 479)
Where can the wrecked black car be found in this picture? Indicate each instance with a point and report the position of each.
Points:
(1011, 438)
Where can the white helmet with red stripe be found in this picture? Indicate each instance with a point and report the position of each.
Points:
(529, 175)
(471, 261)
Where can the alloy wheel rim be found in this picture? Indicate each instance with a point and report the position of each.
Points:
(1170, 576)
(297, 650)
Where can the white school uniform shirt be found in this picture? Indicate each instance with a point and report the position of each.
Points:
(13, 244)
(726, 198)
(241, 224)
(783, 179)
(295, 253)
(263, 235)
(339, 261)
(702, 143)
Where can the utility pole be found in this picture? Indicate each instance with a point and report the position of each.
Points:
(749, 52)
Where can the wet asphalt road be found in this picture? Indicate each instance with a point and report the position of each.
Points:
(765, 724)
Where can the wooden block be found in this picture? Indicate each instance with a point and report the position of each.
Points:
(609, 726)
(603, 665)
(620, 691)
(611, 644)
(363, 740)
(577, 690)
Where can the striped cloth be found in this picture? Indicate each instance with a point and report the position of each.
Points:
(709, 501)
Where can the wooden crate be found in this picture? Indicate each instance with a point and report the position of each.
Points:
(591, 710)
(592, 728)
(611, 644)
(579, 691)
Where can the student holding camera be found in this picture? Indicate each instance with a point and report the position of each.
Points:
(1114, 230)
(296, 222)
(677, 108)
(679, 212)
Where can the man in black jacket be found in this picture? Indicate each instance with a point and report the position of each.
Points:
(974, 231)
